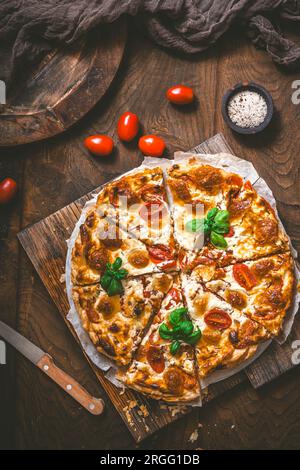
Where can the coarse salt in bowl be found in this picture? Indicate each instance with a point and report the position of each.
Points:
(247, 108)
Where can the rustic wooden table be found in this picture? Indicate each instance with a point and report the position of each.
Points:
(35, 413)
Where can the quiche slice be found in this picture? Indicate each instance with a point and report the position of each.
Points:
(100, 241)
(254, 231)
(159, 369)
(228, 336)
(116, 324)
(194, 190)
(261, 289)
(139, 202)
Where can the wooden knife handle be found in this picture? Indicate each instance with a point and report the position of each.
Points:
(69, 385)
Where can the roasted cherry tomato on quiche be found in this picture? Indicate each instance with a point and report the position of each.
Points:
(244, 276)
(180, 94)
(152, 145)
(152, 212)
(128, 126)
(168, 265)
(248, 185)
(230, 233)
(160, 253)
(8, 190)
(175, 296)
(217, 319)
(156, 359)
(99, 145)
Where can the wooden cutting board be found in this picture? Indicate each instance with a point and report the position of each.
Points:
(63, 87)
(45, 244)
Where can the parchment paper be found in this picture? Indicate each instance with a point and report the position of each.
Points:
(227, 162)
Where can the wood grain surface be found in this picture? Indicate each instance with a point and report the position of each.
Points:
(53, 94)
(52, 174)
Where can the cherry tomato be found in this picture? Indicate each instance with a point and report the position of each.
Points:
(175, 297)
(8, 189)
(152, 145)
(156, 359)
(217, 319)
(235, 180)
(244, 276)
(151, 212)
(180, 94)
(128, 126)
(100, 145)
(230, 233)
(160, 253)
(166, 265)
(248, 185)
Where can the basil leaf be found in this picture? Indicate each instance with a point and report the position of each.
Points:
(165, 332)
(207, 227)
(105, 281)
(117, 264)
(177, 333)
(177, 315)
(121, 273)
(115, 288)
(221, 217)
(194, 337)
(218, 240)
(220, 228)
(186, 327)
(195, 225)
(174, 347)
(212, 213)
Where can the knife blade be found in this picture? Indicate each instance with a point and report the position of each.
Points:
(45, 363)
(22, 344)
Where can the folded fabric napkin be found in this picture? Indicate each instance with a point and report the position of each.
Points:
(29, 28)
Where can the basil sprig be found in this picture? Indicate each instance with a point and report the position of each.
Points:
(111, 279)
(214, 225)
(182, 331)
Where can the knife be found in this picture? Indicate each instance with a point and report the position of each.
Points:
(45, 362)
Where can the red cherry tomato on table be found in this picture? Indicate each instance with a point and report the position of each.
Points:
(128, 126)
(100, 145)
(8, 190)
(152, 145)
(180, 94)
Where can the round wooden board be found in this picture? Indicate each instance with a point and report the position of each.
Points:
(63, 87)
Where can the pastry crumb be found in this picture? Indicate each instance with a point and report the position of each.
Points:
(132, 404)
(194, 436)
(144, 411)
